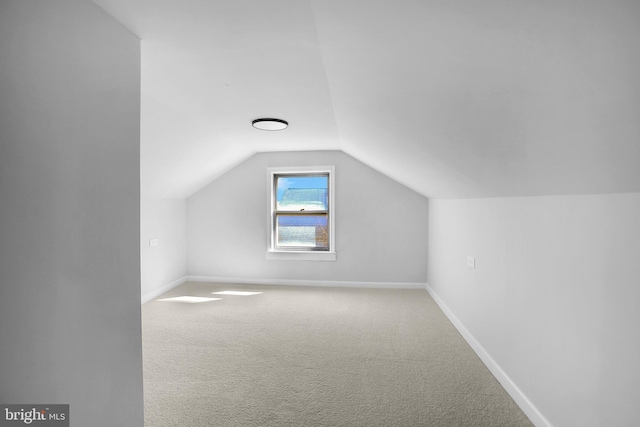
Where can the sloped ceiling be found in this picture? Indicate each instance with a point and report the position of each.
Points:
(451, 98)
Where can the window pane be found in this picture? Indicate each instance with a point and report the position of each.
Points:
(302, 193)
(302, 231)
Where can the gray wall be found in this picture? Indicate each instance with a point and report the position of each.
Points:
(554, 297)
(163, 266)
(381, 226)
(69, 211)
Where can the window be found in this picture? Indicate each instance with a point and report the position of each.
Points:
(301, 220)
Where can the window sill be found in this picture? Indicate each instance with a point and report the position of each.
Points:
(300, 256)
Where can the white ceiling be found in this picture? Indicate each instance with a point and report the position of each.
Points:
(459, 98)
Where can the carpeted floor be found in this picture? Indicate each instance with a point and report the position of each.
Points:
(301, 356)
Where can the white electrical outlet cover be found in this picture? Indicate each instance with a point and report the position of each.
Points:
(471, 262)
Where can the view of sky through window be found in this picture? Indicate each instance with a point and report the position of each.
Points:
(286, 182)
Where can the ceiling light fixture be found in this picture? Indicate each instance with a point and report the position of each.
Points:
(269, 124)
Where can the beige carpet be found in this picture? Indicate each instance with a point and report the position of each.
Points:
(298, 356)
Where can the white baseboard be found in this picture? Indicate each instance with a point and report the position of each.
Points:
(148, 296)
(322, 283)
(535, 416)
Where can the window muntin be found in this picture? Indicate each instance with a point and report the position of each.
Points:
(301, 211)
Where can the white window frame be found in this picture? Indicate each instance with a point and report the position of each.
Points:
(274, 253)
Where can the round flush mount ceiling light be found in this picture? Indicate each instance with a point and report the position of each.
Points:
(269, 124)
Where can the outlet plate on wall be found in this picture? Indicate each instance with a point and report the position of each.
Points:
(471, 262)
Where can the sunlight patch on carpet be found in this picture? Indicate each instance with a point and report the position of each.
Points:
(242, 293)
(188, 299)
